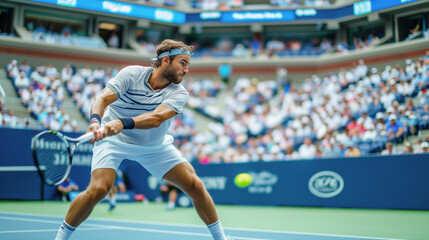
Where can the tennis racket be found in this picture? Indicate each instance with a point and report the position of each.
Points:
(53, 154)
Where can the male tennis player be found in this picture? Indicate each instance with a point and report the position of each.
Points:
(136, 109)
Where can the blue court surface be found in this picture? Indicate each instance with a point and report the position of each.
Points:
(17, 226)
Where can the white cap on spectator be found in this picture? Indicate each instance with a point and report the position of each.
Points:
(14, 62)
(407, 113)
(379, 115)
(390, 109)
(392, 117)
(275, 149)
(388, 67)
(408, 61)
(374, 70)
(424, 145)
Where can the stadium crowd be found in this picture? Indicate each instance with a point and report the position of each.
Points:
(358, 111)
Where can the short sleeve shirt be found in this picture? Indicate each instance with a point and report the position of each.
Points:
(135, 96)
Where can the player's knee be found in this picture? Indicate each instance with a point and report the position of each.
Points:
(98, 192)
(197, 188)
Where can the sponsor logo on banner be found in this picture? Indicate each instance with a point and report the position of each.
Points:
(69, 3)
(214, 183)
(262, 182)
(326, 184)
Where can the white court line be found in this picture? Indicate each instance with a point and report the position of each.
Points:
(237, 229)
(47, 230)
(104, 227)
(18, 168)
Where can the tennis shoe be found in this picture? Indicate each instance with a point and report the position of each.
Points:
(170, 206)
(111, 208)
(229, 238)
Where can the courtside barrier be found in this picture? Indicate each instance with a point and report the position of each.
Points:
(383, 182)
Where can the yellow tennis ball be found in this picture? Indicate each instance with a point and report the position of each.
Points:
(243, 180)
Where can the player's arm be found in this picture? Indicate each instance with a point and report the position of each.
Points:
(153, 119)
(143, 121)
(101, 101)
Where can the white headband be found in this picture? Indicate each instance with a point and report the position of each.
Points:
(173, 52)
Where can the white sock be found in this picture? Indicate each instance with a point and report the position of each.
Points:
(65, 231)
(113, 200)
(217, 231)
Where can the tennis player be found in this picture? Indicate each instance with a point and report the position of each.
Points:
(136, 109)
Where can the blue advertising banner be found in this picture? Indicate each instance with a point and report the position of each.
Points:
(385, 182)
(123, 8)
(237, 16)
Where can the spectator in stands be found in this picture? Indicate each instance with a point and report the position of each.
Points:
(51, 72)
(12, 69)
(40, 28)
(408, 148)
(21, 81)
(295, 45)
(424, 148)
(98, 75)
(370, 134)
(394, 129)
(307, 150)
(86, 72)
(25, 68)
(351, 151)
(66, 73)
(275, 45)
(66, 127)
(365, 121)
(325, 44)
(30, 25)
(256, 45)
(113, 40)
(65, 39)
(240, 51)
(10, 119)
(389, 149)
(66, 187)
(66, 29)
(361, 70)
(225, 45)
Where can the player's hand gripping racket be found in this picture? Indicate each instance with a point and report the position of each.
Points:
(53, 154)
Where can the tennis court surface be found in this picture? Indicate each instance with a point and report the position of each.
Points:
(24, 226)
(40, 220)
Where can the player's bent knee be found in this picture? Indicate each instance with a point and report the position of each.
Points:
(98, 192)
(196, 189)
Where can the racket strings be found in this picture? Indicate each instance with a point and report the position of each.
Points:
(52, 156)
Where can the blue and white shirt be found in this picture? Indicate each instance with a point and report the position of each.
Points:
(135, 96)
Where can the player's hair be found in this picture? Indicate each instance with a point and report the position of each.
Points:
(166, 46)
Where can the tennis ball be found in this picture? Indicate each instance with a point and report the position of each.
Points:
(243, 180)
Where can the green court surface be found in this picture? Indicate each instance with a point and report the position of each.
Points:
(393, 224)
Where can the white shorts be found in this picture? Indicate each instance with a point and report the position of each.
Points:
(158, 159)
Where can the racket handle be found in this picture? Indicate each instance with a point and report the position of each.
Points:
(87, 136)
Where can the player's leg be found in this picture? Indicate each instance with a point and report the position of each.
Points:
(101, 182)
(183, 176)
(172, 196)
(112, 198)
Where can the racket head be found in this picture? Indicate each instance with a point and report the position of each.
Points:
(52, 156)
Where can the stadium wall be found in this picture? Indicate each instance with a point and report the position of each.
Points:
(383, 182)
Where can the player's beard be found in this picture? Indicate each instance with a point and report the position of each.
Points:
(171, 76)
